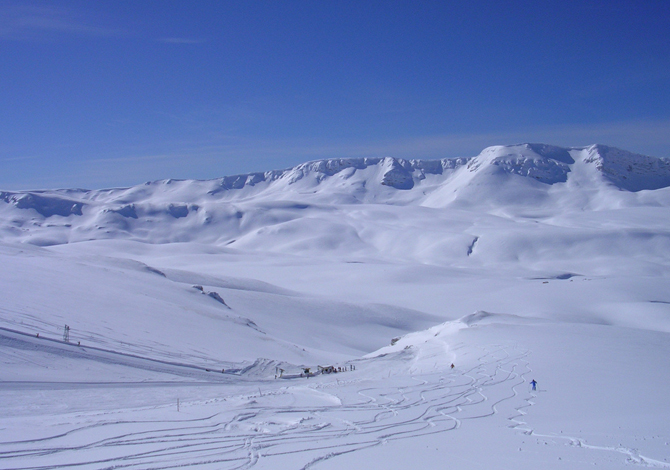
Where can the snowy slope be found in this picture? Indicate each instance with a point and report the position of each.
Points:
(204, 291)
(217, 322)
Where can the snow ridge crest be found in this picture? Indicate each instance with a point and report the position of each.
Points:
(398, 173)
(629, 171)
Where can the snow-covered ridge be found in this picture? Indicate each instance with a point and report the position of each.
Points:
(224, 209)
(396, 173)
(544, 163)
(630, 171)
(391, 172)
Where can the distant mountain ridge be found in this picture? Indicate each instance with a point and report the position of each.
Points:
(187, 209)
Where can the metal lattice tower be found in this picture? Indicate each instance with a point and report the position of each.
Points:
(66, 334)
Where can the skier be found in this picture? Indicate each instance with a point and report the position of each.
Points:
(452, 365)
(533, 384)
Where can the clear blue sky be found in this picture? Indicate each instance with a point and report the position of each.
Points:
(114, 93)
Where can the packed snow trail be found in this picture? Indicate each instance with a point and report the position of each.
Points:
(264, 429)
(15, 340)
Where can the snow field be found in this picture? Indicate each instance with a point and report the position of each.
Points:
(525, 262)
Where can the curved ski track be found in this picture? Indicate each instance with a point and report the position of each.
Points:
(436, 402)
(430, 403)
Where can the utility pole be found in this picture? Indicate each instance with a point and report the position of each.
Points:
(66, 334)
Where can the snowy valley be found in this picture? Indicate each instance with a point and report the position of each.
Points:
(195, 307)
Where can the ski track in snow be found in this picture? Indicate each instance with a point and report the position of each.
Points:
(436, 402)
(430, 403)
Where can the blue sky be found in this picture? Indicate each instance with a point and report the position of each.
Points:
(99, 94)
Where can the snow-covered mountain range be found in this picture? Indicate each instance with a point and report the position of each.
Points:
(194, 308)
(528, 177)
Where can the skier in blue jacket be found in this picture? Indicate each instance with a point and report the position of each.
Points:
(533, 384)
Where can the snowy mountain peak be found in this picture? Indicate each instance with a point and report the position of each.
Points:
(551, 164)
(529, 150)
(629, 171)
(545, 163)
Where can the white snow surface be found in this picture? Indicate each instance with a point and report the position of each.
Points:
(187, 299)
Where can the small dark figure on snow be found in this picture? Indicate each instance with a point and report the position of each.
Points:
(533, 384)
(452, 365)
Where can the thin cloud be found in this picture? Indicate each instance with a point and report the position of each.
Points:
(133, 158)
(33, 22)
(650, 137)
(181, 40)
(242, 154)
(21, 158)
